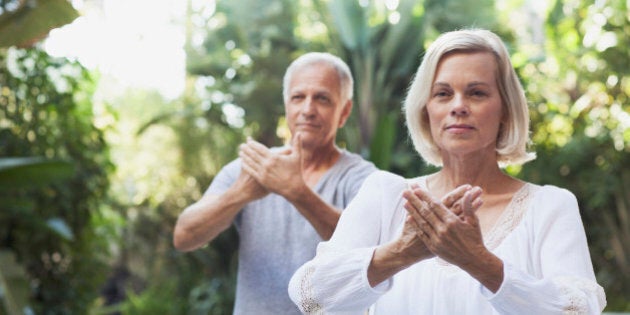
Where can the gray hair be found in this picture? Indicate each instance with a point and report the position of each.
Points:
(342, 69)
(513, 136)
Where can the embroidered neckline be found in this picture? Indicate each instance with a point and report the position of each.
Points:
(509, 219)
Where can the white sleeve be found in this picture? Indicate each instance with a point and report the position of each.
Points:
(335, 281)
(567, 282)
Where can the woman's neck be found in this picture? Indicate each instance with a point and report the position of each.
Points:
(476, 170)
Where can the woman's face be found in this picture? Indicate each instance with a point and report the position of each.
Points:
(464, 106)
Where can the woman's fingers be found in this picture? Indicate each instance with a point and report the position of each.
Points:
(475, 197)
(428, 213)
(435, 212)
(450, 199)
(470, 203)
(413, 206)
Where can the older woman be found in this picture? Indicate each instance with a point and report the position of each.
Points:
(468, 239)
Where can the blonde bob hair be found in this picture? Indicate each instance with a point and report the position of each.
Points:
(513, 136)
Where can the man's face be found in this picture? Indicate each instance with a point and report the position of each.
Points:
(314, 105)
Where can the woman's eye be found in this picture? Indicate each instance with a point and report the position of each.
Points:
(479, 93)
(440, 94)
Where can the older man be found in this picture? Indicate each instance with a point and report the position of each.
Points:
(283, 201)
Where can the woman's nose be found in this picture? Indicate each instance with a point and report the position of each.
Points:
(459, 107)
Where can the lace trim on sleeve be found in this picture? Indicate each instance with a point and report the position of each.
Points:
(575, 290)
(308, 304)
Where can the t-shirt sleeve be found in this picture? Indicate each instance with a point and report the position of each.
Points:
(225, 178)
(354, 177)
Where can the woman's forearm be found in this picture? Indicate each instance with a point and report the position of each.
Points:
(389, 259)
(488, 270)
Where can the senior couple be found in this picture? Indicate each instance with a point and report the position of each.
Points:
(467, 239)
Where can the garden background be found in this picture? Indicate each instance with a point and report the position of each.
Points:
(91, 181)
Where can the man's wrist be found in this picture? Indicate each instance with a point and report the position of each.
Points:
(299, 195)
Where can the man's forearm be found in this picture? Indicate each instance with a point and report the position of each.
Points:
(322, 216)
(204, 220)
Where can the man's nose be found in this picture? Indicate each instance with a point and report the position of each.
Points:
(308, 106)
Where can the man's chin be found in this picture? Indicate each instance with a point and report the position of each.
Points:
(308, 142)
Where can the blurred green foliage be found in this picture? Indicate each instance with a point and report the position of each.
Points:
(581, 127)
(45, 111)
(91, 238)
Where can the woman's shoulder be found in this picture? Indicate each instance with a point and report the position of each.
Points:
(386, 179)
(550, 201)
(381, 176)
(552, 194)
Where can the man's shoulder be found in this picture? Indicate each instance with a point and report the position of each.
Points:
(352, 169)
(355, 159)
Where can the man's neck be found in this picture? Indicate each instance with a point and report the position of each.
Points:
(316, 162)
(320, 158)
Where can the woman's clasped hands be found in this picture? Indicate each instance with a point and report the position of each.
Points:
(447, 228)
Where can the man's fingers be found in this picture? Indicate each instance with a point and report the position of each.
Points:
(247, 168)
(297, 144)
(247, 155)
(257, 152)
(254, 147)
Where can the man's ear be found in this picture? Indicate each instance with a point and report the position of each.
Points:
(345, 113)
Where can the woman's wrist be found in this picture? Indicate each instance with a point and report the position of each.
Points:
(391, 258)
(386, 261)
(488, 270)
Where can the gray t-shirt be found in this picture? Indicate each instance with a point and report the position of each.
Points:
(275, 239)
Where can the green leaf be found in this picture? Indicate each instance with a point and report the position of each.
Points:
(33, 20)
(25, 172)
(403, 41)
(349, 18)
(384, 139)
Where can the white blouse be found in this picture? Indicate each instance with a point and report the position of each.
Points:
(539, 237)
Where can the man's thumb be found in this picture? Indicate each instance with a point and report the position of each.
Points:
(297, 144)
